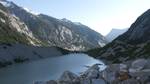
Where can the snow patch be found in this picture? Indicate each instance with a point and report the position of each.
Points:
(101, 44)
(30, 11)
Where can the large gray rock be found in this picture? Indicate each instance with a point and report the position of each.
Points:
(147, 66)
(130, 81)
(68, 76)
(92, 72)
(137, 65)
(112, 71)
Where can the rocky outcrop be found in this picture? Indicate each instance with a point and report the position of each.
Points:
(122, 73)
(12, 30)
(113, 74)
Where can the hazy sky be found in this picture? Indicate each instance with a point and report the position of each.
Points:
(100, 15)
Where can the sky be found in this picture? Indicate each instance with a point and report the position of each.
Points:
(100, 15)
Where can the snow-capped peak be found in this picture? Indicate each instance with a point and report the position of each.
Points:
(30, 11)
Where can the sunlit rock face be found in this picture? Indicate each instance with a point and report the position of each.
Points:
(13, 30)
(114, 33)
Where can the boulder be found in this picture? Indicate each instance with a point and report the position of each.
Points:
(143, 76)
(130, 81)
(138, 65)
(92, 72)
(147, 66)
(123, 68)
(68, 76)
(112, 72)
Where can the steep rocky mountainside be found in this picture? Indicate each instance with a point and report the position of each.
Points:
(12, 30)
(114, 33)
(55, 32)
(135, 43)
(17, 43)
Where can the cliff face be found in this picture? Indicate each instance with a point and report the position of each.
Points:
(12, 30)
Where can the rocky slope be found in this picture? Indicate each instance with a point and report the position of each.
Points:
(12, 30)
(114, 33)
(131, 72)
(55, 32)
(135, 43)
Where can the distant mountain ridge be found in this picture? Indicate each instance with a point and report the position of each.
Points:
(55, 32)
(114, 33)
(133, 44)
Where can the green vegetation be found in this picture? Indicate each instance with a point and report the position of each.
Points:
(4, 64)
(20, 60)
(63, 51)
(147, 50)
(93, 52)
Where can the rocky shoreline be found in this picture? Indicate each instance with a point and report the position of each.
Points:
(131, 72)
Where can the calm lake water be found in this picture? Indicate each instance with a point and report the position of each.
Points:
(45, 69)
